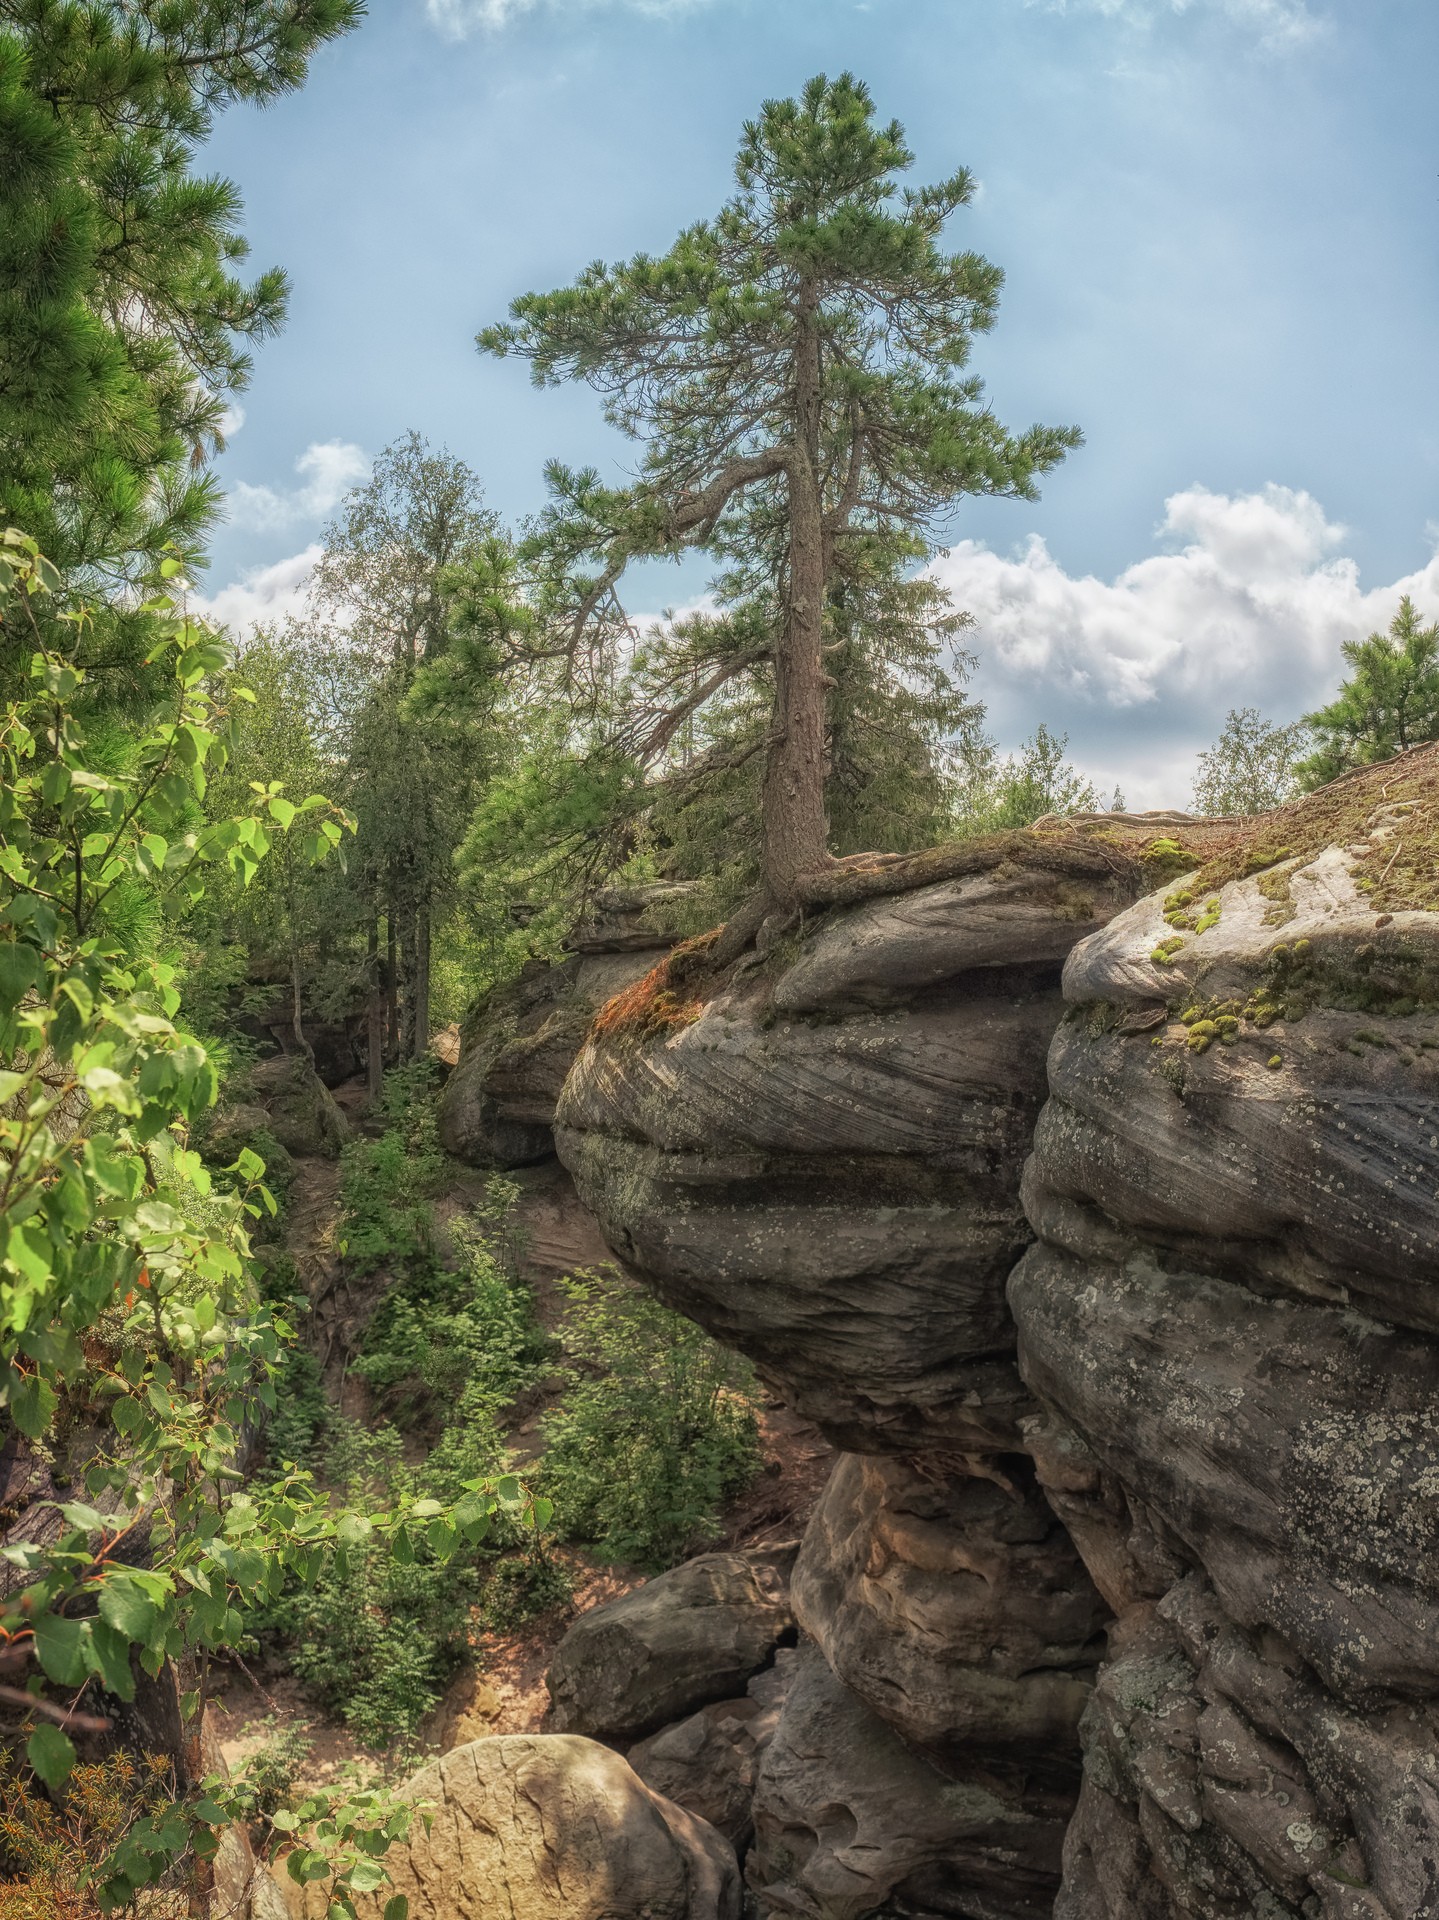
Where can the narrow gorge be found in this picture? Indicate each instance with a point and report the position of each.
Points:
(1082, 1184)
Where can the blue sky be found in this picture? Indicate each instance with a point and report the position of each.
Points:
(1219, 222)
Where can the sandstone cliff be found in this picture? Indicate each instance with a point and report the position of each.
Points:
(1205, 1419)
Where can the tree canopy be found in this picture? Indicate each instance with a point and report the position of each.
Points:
(1389, 702)
(795, 368)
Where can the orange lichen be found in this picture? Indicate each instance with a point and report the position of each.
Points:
(657, 1006)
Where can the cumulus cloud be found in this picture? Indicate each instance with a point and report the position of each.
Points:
(327, 470)
(456, 19)
(263, 594)
(1249, 608)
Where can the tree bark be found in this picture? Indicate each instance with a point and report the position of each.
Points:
(297, 1004)
(375, 1014)
(795, 833)
(422, 980)
(392, 983)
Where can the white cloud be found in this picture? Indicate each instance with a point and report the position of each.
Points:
(1251, 610)
(327, 468)
(458, 18)
(263, 594)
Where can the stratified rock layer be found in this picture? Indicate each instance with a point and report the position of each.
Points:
(1229, 1321)
(820, 1163)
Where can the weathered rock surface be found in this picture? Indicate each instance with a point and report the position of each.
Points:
(300, 1109)
(821, 1164)
(955, 1606)
(850, 1820)
(709, 1763)
(693, 1635)
(1229, 1322)
(549, 1827)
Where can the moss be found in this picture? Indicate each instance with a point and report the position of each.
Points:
(1163, 955)
(663, 1002)
(1402, 872)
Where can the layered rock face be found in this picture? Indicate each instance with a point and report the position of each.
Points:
(519, 1043)
(820, 1162)
(1230, 1321)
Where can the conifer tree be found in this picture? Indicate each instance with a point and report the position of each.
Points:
(123, 321)
(1389, 703)
(795, 367)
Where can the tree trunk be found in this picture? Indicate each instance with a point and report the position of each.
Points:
(392, 984)
(375, 1014)
(422, 980)
(795, 833)
(297, 1005)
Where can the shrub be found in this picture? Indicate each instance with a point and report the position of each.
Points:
(656, 1431)
(272, 1770)
(386, 1184)
(50, 1852)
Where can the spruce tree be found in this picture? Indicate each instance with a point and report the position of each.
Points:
(795, 368)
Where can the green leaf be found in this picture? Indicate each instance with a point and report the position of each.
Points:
(19, 972)
(32, 1403)
(366, 1875)
(127, 1610)
(397, 1908)
(51, 1755)
(60, 1646)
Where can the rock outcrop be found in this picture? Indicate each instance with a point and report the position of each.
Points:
(820, 1161)
(548, 1827)
(1230, 1321)
(689, 1637)
(300, 1109)
(518, 1044)
(1199, 1434)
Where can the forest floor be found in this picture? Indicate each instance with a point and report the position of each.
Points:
(503, 1689)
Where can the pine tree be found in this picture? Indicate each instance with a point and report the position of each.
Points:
(123, 324)
(795, 368)
(1389, 703)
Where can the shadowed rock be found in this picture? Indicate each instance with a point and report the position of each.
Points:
(693, 1635)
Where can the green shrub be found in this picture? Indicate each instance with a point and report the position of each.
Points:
(438, 1336)
(656, 1431)
(386, 1184)
(271, 1771)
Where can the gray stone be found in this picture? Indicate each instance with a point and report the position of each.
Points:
(849, 1820)
(657, 1653)
(299, 1107)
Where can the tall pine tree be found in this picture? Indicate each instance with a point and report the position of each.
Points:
(795, 367)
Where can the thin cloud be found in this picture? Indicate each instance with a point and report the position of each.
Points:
(263, 595)
(1250, 608)
(457, 19)
(327, 469)
(1277, 24)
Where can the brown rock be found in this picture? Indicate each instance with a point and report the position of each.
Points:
(550, 1827)
(954, 1605)
(849, 1820)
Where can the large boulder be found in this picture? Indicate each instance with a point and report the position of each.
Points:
(850, 1821)
(1229, 1320)
(695, 1634)
(817, 1156)
(301, 1110)
(548, 1827)
(955, 1606)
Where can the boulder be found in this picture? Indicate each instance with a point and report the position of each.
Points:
(818, 1158)
(300, 1108)
(693, 1635)
(548, 1827)
(850, 1821)
(955, 1606)
(708, 1763)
